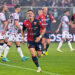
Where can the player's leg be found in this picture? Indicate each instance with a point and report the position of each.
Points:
(59, 46)
(47, 45)
(31, 46)
(61, 42)
(19, 50)
(69, 43)
(44, 44)
(1, 47)
(5, 42)
(35, 59)
(9, 44)
(1, 44)
(6, 51)
(6, 39)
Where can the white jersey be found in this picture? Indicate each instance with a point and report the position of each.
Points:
(2, 19)
(12, 27)
(64, 21)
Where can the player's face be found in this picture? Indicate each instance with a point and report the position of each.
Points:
(6, 8)
(68, 13)
(30, 15)
(18, 9)
(40, 12)
(45, 10)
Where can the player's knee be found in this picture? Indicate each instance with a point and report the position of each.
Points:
(68, 39)
(39, 54)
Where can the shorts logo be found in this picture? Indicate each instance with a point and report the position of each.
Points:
(35, 23)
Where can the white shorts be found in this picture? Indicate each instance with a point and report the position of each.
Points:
(13, 38)
(65, 35)
(2, 37)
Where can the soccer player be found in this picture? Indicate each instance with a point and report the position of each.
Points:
(65, 31)
(14, 26)
(3, 27)
(34, 36)
(46, 19)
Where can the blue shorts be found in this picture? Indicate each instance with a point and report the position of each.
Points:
(46, 35)
(38, 46)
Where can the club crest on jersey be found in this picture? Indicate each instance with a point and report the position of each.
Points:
(35, 23)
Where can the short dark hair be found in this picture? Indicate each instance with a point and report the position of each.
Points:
(17, 6)
(66, 10)
(30, 10)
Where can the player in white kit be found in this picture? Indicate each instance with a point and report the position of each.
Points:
(3, 27)
(13, 33)
(65, 31)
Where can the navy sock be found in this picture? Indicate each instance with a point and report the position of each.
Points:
(47, 46)
(35, 60)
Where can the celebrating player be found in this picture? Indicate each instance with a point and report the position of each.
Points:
(14, 26)
(65, 31)
(3, 27)
(46, 20)
(34, 36)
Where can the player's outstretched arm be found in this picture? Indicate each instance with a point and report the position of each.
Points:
(52, 18)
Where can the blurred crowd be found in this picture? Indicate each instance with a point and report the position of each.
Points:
(57, 3)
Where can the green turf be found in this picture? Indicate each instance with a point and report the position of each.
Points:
(55, 62)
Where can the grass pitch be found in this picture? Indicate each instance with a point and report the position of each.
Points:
(54, 64)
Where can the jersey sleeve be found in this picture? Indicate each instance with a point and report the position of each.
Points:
(3, 19)
(52, 18)
(41, 25)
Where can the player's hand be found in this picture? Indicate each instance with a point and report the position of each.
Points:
(57, 31)
(54, 21)
(37, 39)
(3, 32)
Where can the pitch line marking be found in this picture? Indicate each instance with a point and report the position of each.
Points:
(19, 67)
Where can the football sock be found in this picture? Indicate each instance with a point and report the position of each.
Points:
(35, 60)
(47, 46)
(1, 49)
(60, 44)
(20, 51)
(69, 44)
(6, 51)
